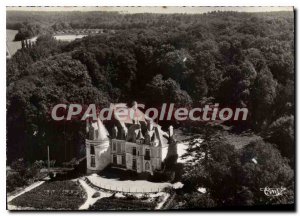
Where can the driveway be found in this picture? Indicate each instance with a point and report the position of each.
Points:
(127, 185)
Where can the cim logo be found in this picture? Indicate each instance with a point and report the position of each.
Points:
(273, 192)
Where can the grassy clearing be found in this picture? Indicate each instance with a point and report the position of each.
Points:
(241, 140)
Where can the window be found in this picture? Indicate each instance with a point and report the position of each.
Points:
(133, 150)
(93, 162)
(147, 166)
(134, 164)
(92, 150)
(147, 154)
(118, 148)
(114, 159)
(96, 134)
(91, 132)
(114, 146)
(123, 160)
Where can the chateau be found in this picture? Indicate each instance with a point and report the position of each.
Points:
(138, 145)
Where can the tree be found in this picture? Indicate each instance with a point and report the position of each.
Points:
(153, 59)
(28, 30)
(19, 166)
(263, 96)
(281, 133)
(58, 79)
(268, 169)
(197, 201)
(167, 91)
(236, 177)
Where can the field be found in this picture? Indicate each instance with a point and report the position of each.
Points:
(12, 46)
(68, 38)
(57, 195)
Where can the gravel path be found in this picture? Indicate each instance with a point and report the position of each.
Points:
(90, 191)
(140, 186)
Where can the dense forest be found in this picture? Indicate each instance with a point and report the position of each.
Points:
(231, 58)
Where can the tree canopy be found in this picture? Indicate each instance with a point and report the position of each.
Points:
(236, 59)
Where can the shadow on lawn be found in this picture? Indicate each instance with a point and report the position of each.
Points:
(158, 176)
(123, 175)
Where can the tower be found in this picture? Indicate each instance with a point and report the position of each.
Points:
(97, 146)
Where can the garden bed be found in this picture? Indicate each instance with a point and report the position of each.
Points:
(126, 203)
(57, 195)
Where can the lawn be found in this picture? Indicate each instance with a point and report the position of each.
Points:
(57, 195)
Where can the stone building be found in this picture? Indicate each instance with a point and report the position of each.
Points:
(138, 145)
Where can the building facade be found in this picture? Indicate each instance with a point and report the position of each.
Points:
(97, 146)
(131, 145)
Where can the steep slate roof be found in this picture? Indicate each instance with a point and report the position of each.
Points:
(128, 120)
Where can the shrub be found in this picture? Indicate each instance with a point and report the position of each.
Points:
(22, 174)
(13, 181)
(145, 197)
(96, 194)
(51, 175)
(130, 197)
(159, 176)
(198, 201)
(19, 166)
(169, 190)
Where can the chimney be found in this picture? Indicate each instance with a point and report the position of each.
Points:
(87, 125)
(147, 137)
(114, 132)
(171, 132)
(150, 125)
(134, 105)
